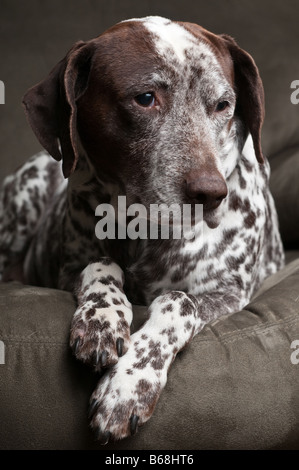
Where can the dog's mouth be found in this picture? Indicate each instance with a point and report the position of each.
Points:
(212, 217)
(173, 214)
(212, 220)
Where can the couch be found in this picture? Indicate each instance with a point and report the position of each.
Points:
(236, 386)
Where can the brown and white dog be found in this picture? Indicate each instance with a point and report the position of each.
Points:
(161, 112)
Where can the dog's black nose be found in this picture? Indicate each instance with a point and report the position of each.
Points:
(206, 189)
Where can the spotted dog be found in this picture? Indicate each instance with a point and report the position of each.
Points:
(162, 112)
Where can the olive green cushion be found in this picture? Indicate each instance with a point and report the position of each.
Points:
(234, 387)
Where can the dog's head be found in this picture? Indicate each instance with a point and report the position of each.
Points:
(159, 107)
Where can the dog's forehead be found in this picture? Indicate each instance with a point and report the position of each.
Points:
(168, 37)
(174, 42)
(145, 52)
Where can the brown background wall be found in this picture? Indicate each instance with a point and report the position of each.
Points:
(36, 34)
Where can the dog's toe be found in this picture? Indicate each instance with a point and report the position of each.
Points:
(99, 341)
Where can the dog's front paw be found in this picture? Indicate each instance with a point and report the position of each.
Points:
(100, 336)
(126, 396)
(100, 331)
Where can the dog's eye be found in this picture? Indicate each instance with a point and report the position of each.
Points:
(221, 106)
(147, 100)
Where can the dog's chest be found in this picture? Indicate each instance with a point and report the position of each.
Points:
(190, 266)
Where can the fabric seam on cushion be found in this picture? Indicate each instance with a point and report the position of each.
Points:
(225, 338)
(249, 331)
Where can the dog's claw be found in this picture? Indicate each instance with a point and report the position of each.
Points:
(119, 346)
(103, 437)
(133, 424)
(77, 344)
(92, 407)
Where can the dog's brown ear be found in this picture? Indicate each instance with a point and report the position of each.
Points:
(51, 109)
(250, 93)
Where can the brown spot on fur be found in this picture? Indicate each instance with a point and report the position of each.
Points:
(188, 325)
(97, 300)
(148, 395)
(168, 308)
(90, 313)
(250, 219)
(186, 308)
(170, 332)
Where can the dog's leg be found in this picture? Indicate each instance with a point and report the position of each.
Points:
(24, 198)
(127, 395)
(100, 331)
